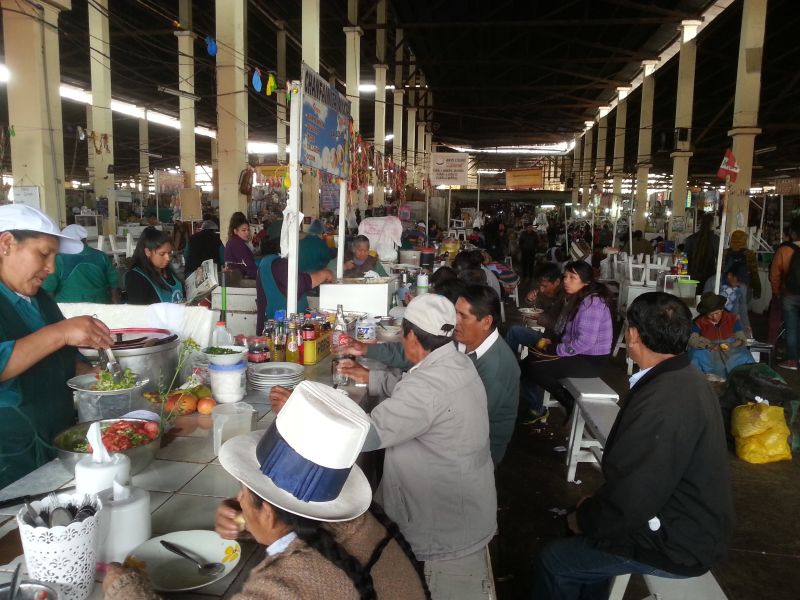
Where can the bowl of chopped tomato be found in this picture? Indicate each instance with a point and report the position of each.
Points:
(139, 439)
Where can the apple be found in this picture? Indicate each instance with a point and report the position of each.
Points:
(202, 391)
(206, 405)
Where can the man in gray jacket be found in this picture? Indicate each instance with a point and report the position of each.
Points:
(438, 478)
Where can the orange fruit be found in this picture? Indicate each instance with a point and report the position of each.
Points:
(206, 405)
(182, 403)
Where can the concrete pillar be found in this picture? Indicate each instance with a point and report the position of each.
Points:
(683, 116)
(310, 34)
(411, 145)
(587, 170)
(577, 157)
(353, 58)
(380, 124)
(186, 85)
(422, 154)
(281, 96)
(89, 147)
(398, 150)
(144, 157)
(214, 170)
(602, 142)
(619, 146)
(232, 115)
(745, 109)
(34, 105)
(100, 63)
(645, 149)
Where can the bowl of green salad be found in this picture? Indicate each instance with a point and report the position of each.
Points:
(225, 355)
(103, 383)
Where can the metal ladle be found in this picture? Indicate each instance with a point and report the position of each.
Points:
(211, 569)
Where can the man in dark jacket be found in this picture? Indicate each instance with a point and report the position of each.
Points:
(665, 508)
(528, 244)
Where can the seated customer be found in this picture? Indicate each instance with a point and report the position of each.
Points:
(585, 335)
(438, 478)
(359, 261)
(320, 540)
(477, 318)
(665, 507)
(468, 260)
(716, 345)
(238, 254)
(547, 294)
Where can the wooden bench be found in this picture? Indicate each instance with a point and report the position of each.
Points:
(592, 419)
(704, 587)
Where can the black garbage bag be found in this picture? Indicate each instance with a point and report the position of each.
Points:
(748, 381)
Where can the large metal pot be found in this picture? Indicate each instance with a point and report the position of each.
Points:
(156, 357)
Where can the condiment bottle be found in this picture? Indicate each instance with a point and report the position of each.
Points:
(292, 344)
(339, 328)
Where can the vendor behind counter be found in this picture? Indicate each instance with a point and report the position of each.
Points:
(37, 351)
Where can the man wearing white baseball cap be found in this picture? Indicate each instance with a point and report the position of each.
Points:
(438, 477)
(37, 353)
(88, 276)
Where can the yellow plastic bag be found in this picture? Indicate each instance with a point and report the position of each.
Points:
(760, 433)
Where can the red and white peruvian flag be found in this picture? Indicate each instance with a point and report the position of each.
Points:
(728, 168)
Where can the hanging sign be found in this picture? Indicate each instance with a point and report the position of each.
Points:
(787, 187)
(329, 196)
(524, 179)
(169, 183)
(324, 125)
(449, 168)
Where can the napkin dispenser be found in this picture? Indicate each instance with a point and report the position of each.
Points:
(125, 523)
(98, 471)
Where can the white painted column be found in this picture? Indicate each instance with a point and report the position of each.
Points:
(232, 114)
(214, 170)
(352, 76)
(620, 128)
(745, 109)
(683, 116)
(398, 150)
(310, 34)
(186, 85)
(645, 148)
(422, 154)
(602, 142)
(587, 170)
(380, 124)
(144, 157)
(577, 168)
(34, 105)
(411, 145)
(280, 93)
(100, 64)
(89, 146)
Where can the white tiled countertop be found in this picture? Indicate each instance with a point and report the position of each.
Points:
(186, 484)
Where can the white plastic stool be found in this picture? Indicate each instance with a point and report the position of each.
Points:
(704, 587)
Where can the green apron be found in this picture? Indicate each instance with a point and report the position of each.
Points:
(46, 406)
(172, 293)
(276, 300)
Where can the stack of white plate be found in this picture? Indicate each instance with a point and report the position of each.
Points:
(262, 376)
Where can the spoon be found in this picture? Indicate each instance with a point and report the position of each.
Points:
(14, 583)
(211, 569)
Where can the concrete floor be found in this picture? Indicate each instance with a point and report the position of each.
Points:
(764, 558)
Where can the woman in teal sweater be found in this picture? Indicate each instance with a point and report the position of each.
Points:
(37, 351)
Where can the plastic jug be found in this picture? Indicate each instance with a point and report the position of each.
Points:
(230, 420)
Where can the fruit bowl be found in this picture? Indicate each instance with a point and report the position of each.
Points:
(235, 356)
(140, 456)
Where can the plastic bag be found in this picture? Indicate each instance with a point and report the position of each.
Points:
(760, 433)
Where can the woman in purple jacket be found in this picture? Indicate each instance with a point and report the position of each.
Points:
(238, 254)
(585, 331)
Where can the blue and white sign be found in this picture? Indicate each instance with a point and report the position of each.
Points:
(324, 126)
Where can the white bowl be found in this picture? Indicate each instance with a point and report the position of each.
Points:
(226, 359)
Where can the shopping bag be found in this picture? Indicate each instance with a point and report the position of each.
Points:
(760, 433)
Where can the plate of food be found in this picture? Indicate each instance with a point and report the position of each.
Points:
(169, 572)
(103, 383)
(530, 312)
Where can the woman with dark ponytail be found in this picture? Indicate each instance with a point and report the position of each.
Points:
(321, 541)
